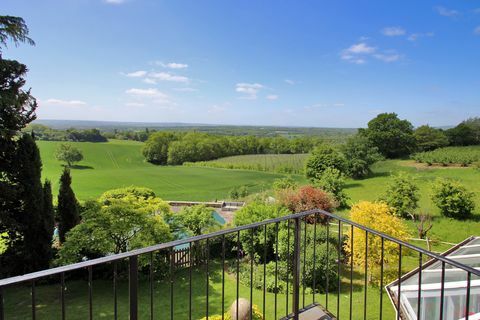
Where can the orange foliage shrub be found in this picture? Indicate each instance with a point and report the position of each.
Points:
(307, 198)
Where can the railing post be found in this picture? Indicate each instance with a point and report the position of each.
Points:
(2, 312)
(133, 287)
(296, 269)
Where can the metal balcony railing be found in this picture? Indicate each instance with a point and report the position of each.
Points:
(353, 296)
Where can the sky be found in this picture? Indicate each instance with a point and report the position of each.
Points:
(289, 63)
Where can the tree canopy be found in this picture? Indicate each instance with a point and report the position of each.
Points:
(393, 137)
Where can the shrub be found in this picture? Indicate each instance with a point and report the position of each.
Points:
(255, 212)
(360, 154)
(321, 158)
(453, 199)
(307, 198)
(377, 216)
(402, 195)
(333, 181)
(284, 183)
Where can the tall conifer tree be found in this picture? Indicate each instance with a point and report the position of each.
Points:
(67, 205)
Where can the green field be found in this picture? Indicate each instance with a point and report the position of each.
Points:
(463, 156)
(279, 163)
(120, 163)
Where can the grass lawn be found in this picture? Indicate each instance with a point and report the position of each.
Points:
(120, 163)
(18, 300)
(444, 229)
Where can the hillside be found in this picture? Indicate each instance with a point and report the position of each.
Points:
(120, 163)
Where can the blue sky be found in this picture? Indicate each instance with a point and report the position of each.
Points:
(290, 62)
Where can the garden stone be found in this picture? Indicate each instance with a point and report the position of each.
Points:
(243, 309)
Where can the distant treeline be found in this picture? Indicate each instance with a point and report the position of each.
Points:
(177, 148)
(42, 132)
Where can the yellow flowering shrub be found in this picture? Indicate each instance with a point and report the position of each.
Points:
(378, 216)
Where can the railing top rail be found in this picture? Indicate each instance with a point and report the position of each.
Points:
(171, 244)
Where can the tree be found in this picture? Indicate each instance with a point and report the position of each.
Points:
(31, 249)
(461, 135)
(48, 218)
(255, 212)
(68, 153)
(14, 29)
(17, 110)
(453, 199)
(428, 138)
(402, 195)
(333, 182)
(393, 137)
(321, 158)
(360, 154)
(378, 216)
(155, 149)
(67, 206)
(115, 228)
(196, 220)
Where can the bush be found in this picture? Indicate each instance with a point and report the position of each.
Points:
(402, 195)
(307, 198)
(453, 199)
(377, 216)
(284, 183)
(360, 154)
(333, 182)
(255, 212)
(321, 158)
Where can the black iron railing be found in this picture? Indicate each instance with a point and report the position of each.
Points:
(224, 255)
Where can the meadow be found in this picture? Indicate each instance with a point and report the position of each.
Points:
(119, 163)
(278, 163)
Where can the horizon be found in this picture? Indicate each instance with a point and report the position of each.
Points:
(263, 64)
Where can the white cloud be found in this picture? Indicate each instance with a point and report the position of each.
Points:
(137, 74)
(60, 102)
(393, 31)
(114, 1)
(272, 97)
(174, 65)
(150, 96)
(388, 57)
(356, 53)
(416, 36)
(171, 65)
(447, 12)
(249, 90)
(151, 93)
(165, 76)
(291, 82)
(360, 52)
(477, 31)
(149, 81)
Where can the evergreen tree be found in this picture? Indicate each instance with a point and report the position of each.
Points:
(17, 109)
(35, 250)
(48, 218)
(67, 205)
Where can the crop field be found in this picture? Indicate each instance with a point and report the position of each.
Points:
(448, 156)
(120, 163)
(278, 163)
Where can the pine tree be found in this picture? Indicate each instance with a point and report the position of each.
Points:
(67, 205)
